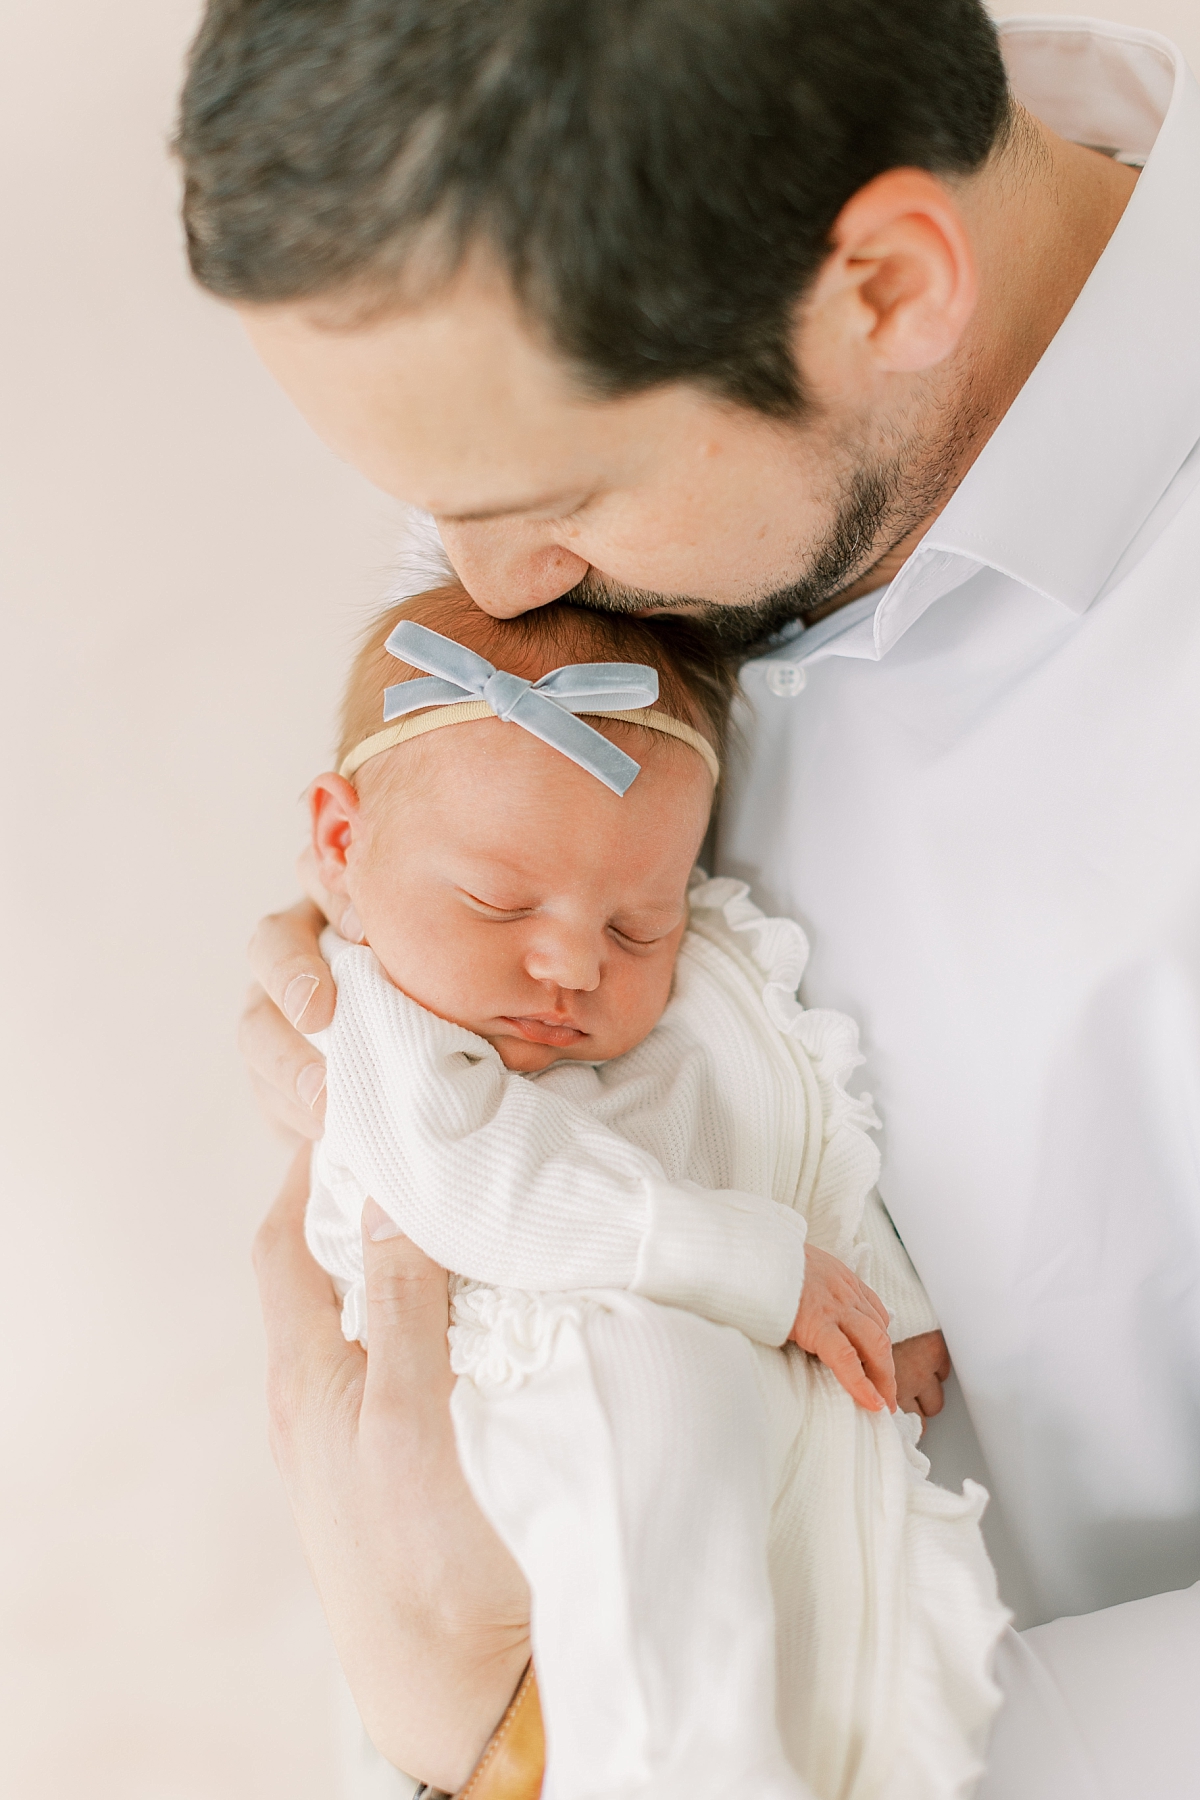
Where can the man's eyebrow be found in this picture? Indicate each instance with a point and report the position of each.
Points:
(511, 508)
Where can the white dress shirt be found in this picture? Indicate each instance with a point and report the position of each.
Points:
(980, 792)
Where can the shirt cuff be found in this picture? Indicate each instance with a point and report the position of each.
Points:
(733, 1258)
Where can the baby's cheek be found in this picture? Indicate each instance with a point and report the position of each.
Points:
(642, 1002)
(410, 953)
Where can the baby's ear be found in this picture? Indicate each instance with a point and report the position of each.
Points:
(334, 809)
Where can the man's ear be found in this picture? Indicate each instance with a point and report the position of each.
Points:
(334, 810)
(898, 288)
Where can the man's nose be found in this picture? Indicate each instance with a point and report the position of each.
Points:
(507, 567)
(566, 959)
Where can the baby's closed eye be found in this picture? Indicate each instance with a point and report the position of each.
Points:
(492, 909)
(637, 940)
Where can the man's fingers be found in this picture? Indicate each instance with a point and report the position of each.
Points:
(295, 993)
(301, 1311)
(296, 1295)
(408, 1310)
(285, 1062)
(287, 963)
(295, 1123)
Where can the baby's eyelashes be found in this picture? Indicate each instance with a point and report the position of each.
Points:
(643, 933)
(637, 934)
(492, 911)
(637, 942)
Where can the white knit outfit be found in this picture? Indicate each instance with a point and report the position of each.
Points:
(742, 1582)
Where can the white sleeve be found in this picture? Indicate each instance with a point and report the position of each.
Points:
(512, 1184)
(892, 1275)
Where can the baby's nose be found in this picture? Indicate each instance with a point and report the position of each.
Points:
(566, 961)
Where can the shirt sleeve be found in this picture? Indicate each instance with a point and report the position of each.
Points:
(510, 1183)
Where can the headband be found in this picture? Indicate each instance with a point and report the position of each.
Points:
(466, 686)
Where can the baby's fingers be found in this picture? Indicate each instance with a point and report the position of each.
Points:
(874, 1349)
(874, 1304)
(842, 1360)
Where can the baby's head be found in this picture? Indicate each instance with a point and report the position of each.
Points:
(499, 883)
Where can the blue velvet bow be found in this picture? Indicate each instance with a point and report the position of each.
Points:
(547, 708)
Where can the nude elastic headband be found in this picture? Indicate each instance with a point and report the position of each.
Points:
(464, 685)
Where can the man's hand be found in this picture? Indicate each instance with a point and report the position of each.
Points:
(845, 1325)
(922, 1365)
(429, 1613)
(293, 991)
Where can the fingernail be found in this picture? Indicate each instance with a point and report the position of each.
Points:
(296, 996)
(378, 1225)
(351, 926)
(310, 1083)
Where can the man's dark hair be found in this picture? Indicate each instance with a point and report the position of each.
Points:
(659, 178)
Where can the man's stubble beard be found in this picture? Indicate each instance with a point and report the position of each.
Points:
(881, 502)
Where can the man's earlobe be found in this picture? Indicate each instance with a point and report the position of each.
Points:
(333, 810)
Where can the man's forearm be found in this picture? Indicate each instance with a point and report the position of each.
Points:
(429, 1702)
(429, 1613)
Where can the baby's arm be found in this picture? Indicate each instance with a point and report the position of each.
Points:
(512, 1184)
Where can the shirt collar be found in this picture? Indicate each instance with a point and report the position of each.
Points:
(1111, 411)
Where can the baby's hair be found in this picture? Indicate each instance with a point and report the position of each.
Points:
(695, 677)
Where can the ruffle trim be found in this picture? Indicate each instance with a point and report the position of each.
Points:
(778, 950)
(499, 1337)
(947, 1695)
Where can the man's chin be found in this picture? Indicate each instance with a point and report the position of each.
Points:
(870, 522)
(738, 628)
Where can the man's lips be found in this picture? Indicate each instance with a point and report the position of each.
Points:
(545, 1030)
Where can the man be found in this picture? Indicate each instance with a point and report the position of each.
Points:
(787, 313)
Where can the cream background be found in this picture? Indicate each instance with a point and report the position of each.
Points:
(183, 568)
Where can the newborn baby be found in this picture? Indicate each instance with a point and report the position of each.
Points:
(576, 1073)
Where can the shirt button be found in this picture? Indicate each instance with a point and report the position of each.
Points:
(785, 679)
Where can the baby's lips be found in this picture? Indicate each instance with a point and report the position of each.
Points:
(558, 1034)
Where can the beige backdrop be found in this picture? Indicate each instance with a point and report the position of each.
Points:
(183, 569)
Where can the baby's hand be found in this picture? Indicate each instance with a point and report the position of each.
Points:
(841, 1322)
